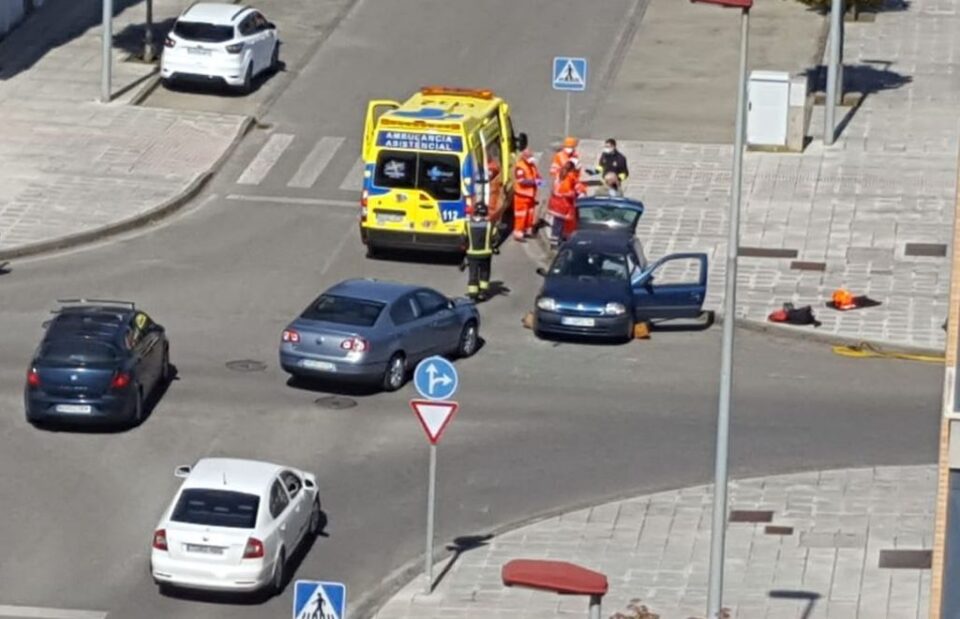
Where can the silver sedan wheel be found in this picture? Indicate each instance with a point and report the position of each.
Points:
(469, 338)
(396, 372)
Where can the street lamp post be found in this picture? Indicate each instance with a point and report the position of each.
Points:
(148, 49)
(833, 73)
(719, 526)
(107, 58)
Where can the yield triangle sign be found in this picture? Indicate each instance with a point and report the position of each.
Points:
(434, 416)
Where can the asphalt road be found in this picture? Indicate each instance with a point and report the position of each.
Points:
(542, 427)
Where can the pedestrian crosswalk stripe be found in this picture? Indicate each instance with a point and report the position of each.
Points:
(354, 180)
(350, 204)
(265, 159)
(314, 164)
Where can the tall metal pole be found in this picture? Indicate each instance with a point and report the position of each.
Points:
(148, 51)
(719, 527)
(431, 509)
(566, 116)
(830, 122)
(107, 59)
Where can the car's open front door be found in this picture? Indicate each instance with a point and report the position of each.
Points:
(673, 287)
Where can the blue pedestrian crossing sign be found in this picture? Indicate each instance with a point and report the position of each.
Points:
(435, 378)
(319, 600)
(569, 73)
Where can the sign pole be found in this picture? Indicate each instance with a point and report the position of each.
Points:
(107, 59)
(566, 116)
(431, 509)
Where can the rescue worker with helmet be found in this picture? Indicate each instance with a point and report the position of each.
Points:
(481, 245)
(527, 180)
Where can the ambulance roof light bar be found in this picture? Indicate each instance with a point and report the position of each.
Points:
(477, 93)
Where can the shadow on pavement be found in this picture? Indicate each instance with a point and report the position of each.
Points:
(886, 6)
(706, 320)
(459, 546)
(810, 596)
(872, 76)
(320, 385)
(54, 24)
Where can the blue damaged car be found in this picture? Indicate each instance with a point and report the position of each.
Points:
(600, 283)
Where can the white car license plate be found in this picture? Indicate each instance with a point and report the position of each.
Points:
(209, 550)
(74, 409)
(198, 51)
(574, 321)
(312, 364)
(388, 218)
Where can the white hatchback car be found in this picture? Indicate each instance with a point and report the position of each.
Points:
(233, 525)
(214, 42)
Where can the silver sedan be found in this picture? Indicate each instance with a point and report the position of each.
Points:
(369, 330)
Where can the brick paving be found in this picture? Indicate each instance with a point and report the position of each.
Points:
(69, 164)
(655, 548)
(851, 208)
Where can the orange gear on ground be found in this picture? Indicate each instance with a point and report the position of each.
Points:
(843, 299)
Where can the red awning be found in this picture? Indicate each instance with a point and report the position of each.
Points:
(559, 576)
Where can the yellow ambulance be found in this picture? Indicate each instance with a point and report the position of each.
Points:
(429, 161)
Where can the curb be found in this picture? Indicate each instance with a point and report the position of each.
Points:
(808, 334)
(147, 89)
(156, 213)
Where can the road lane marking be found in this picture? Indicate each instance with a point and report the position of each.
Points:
(265, 159)
(35, 612)
(291, 200)
(318, 159)
(354, 179)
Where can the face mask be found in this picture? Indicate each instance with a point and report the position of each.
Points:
(608, 150)
(569, 151)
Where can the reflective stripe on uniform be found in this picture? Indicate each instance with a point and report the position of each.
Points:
(479, 237)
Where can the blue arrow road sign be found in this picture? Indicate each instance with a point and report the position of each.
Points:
(319, 600)
(435, 378)
(569, 73)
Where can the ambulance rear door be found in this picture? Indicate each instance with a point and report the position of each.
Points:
(375, 109)
(490, 134)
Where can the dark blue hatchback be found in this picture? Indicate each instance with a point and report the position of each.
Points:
(97, 363)
(600, 283)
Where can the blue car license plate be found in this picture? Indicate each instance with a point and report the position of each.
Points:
(576, 321)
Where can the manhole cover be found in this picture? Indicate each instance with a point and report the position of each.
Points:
(335, 402)
(246, 365)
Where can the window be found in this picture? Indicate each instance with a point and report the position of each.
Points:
(403, 311)
(247, 26)
(76, 351)
(590, 264)
(278, 499)
(440, 176)
(430, 302)
(217, 508)
(436, 174)
(396, 170)
(344, 311)
(203, 32)
(292, 482)
(259, 22)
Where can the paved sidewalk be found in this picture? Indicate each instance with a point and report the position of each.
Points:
(655, 549)
(872, 213)
(69, 165)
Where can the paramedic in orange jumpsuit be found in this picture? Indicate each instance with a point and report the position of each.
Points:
(526, 181)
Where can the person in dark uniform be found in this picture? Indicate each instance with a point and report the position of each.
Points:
(612, 160)
(481, 245)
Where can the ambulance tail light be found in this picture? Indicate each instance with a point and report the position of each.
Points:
(469, 206)
(363, 199)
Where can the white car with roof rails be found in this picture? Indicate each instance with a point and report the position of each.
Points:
(233, 526)
(217, 42)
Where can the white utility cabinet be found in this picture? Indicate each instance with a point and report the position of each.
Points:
(768, 103)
